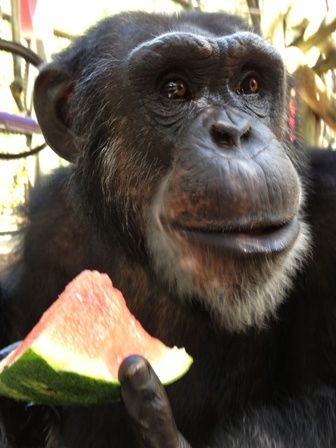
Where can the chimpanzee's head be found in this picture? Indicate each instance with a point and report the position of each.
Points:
(175, 127)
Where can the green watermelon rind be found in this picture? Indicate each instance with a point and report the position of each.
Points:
(53, 386)
(58, 387)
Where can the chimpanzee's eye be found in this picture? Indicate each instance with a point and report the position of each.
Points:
(174, 89)
(249, 86)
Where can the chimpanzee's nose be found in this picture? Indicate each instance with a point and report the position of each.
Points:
(228, 129)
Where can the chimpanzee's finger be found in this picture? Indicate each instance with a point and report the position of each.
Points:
(147, 404)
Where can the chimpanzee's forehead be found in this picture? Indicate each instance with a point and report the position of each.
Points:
(112, 40)
(134, 29)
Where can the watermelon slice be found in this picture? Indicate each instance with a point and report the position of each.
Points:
(73, 354)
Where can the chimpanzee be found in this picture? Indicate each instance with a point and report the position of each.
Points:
(220, 235)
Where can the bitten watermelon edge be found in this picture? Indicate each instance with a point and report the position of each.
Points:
(72, 355)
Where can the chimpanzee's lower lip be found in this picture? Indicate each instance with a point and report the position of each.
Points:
(267, 240)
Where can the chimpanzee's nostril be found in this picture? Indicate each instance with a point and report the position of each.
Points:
(246, 135)
(222, 137)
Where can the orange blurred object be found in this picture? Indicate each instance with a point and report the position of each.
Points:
(27, 11)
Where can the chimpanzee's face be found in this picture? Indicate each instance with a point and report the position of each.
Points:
(221, 213)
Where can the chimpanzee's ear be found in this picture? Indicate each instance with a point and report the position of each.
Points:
(53, 89)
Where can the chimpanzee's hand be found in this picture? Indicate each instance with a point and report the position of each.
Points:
(148, 406)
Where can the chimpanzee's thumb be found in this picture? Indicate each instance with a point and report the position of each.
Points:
(147, 405)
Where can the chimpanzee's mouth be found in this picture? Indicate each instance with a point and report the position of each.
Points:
(257, 240)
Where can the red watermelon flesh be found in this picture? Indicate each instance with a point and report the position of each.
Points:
(86, 333)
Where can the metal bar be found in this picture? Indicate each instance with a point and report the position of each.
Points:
(20, 50)
(15, 24)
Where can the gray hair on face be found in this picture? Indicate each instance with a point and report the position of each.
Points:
(238, 294)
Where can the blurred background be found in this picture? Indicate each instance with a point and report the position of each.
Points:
(304, 33)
